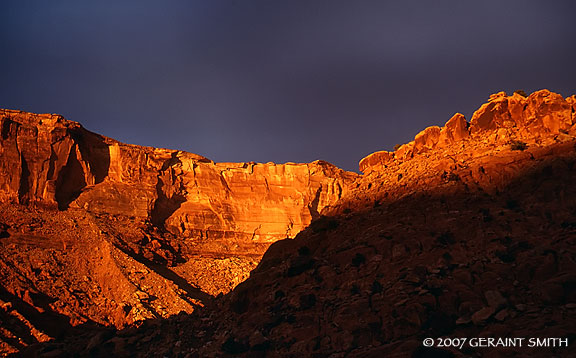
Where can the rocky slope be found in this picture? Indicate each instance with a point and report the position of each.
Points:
(98, 232)
(467, 231)
(503, 137)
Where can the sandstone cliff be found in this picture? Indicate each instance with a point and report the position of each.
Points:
(46, 159)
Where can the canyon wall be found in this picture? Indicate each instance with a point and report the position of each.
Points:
(47, 160)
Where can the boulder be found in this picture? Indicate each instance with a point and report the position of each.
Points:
(454, 130)
(547, 112)
(491, 115)
(375, 159)
(426, 139)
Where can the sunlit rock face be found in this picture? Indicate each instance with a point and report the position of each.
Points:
(248, 201)
(44, 158)
(193, 197)
(48, 160)
(505, 137)
(542, 118)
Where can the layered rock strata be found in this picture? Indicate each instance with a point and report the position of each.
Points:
(48, 160)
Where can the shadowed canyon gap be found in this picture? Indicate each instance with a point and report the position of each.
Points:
(97, 233)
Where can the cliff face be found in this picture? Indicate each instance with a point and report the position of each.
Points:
(42, 158)
(46, 159)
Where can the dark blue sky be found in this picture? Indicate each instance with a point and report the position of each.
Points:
(278, 80)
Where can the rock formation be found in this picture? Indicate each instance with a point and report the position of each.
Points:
(48, 160)
(504, 138)
(538, 119)
(467, 231)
